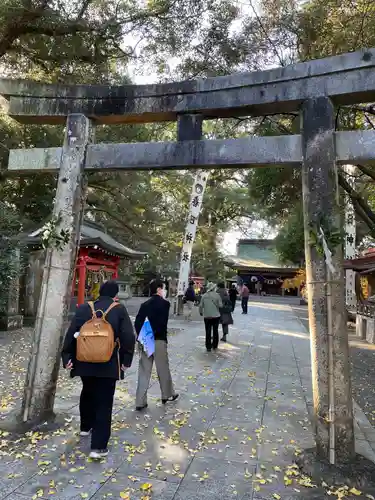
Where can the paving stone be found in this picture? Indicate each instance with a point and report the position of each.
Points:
(121, 482)
(216, 479)
(243, 411)
(163, 462)
(13, 474)
(66, 483)
(287, 494)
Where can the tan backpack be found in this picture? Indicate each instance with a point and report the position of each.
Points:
(96, 339)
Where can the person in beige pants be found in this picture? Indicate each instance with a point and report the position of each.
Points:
(156, 309)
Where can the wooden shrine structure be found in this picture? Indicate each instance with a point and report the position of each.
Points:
(257, 265)
(98, 260)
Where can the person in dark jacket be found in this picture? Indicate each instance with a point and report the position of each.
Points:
(156, 309)
(190, 299)
(245, 292)
(226, 318)
(99, 379)
(233, 292)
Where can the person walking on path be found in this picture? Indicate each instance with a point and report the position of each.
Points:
(226, 318)
(233, 296)
(244, 298)
(190, 299)
(99, 378)
(156, 309)
(209, 308)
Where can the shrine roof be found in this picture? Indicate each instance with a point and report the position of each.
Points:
(92, 235)
(364, 262)
(254, 254)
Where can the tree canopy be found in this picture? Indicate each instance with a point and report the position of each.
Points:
(97, 41)
(291, 32)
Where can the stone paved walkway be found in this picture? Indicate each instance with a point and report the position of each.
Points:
(234, 433)
(363, 367)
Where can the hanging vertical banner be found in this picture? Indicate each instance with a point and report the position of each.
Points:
(350, 237)
(196, 199)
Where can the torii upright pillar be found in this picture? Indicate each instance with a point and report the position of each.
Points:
(54, 302)
(333, 407)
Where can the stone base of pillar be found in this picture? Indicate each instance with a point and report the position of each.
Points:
(11, 322)
(357, 472)
(370, 330)
(360, 326)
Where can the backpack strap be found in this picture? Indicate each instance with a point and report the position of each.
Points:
(113, 305)
(92, 307)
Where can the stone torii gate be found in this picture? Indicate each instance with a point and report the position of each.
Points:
(313, 88)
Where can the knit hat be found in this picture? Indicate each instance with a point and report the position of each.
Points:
(211, 287)
(109, 289)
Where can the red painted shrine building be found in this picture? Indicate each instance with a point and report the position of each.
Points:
(99, 260)
(364, 265)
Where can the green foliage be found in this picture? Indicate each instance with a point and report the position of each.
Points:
(289, 32)
(94, 42)
(290, 240)
(332, 235)
(9, 243)
(328, 27)
(52, 237)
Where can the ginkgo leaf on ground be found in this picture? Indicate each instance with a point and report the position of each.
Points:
(146, 487)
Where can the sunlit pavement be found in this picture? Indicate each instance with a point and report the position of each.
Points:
(242, 417)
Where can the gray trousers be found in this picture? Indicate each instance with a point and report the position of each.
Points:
(162, 368)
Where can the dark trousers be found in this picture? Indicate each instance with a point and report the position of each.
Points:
(212, 332)
(244, 302)
(233, 303)
(95, 408)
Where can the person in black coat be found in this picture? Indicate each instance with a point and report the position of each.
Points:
(233, 295)
(99, 379)
(189, 299)
(226, 318)
(156, 309)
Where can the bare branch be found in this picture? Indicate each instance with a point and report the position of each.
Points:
(367, 171)
(363, 209)
(370, 108)
(84, 7)
(266, 33)
(123, 224)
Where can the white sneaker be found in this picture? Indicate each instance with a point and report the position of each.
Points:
(97, 454)
(85, 433)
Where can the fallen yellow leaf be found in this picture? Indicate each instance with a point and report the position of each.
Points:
(146, 487)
